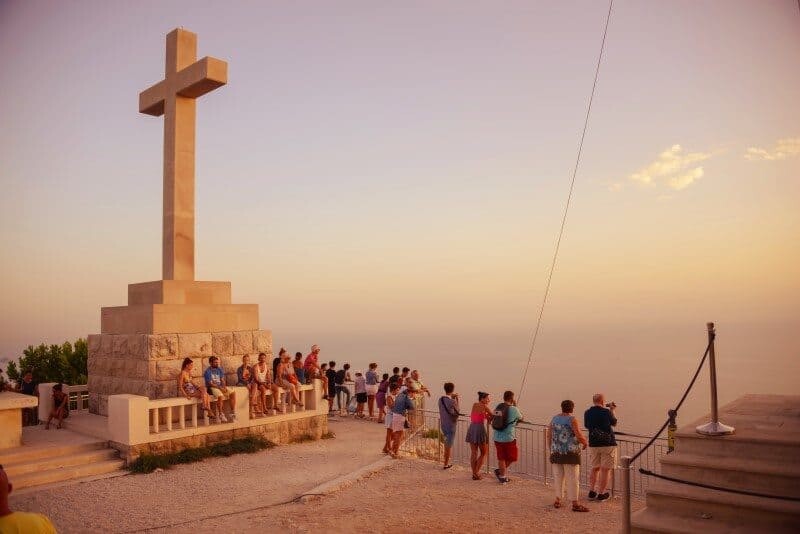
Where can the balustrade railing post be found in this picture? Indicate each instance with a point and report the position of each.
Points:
(544, 456)
(714, 428)
(626, 494)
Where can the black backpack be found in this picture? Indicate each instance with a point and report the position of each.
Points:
(500, 417)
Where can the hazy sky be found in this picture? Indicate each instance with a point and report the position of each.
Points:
(393, 168)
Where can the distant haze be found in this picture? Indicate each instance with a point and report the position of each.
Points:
(387, 180)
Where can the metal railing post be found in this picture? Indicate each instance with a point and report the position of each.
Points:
(714, 428)
(544, 457)
(626, 494)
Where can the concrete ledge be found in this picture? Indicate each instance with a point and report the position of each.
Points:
(179, 292)
(345, 480)
(178, 318)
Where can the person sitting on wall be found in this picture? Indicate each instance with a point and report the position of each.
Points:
(244, 378)
(189, 389)
(60, 406)
(314, 369)
(19, 522)
(264, 381)
(287, 379)
(218, 390)
(299, 370)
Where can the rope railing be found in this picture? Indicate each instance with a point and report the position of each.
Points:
(674, 412)
(718, 488)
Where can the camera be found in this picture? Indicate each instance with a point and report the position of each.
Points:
(611, 405)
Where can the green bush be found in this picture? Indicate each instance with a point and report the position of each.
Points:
(433, 433)
(52, 363)
(147, 463)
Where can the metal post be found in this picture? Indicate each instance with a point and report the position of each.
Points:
(714, 428)
(626, 494)
(544, 455)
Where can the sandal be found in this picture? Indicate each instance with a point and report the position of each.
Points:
(579, 508)
(557, 504)
(476, 477)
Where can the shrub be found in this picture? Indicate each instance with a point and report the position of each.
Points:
(147, 463)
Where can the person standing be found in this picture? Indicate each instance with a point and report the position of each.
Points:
(330, 374)
(566, 441)
(342, 376)
(448, 419)
(477, 436)
(401, 409)
(361, 394)
(599, 420)
(373, 381)
(19, 522)
(27, 386)
(505, 439)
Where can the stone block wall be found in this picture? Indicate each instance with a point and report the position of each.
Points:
(278, 432)
(148, 364)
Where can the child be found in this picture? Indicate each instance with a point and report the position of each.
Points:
(361, 394)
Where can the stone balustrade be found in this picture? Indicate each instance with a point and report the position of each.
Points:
(11, 406)
(135, 419)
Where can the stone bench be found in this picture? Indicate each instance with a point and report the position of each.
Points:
(11, 406)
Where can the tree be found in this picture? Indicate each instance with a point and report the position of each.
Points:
(52, 363)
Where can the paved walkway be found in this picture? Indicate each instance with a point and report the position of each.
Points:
(136, 503)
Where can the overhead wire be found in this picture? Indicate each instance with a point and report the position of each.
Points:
(569, 200)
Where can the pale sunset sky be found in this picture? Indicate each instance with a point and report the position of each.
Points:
(386, 172)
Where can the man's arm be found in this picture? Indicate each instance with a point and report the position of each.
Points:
(612, 419)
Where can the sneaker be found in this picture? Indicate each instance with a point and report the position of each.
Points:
(232, 417)
(603, 496)
(592, 495)
(222, 418)
(504, 481)
(497, 474)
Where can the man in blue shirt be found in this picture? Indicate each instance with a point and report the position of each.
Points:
(403, 404)
(218, 389)
(505, 439)
(448, 419)
(599, 420)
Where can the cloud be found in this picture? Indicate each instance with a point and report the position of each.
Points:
(673, 168)
(784, 148)
(685, 180)
(616, 186)
(667, 166)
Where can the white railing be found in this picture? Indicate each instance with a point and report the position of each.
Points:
(133, 419)
(78, 398)
(424, 440)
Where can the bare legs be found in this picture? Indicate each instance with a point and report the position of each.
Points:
(475, 459)
(371, 405)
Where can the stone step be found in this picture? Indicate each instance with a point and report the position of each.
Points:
(691, 501)
(28, 453)
(752, 473)
(61, 474)
(650, 521)
(742, 446)
(14, 470)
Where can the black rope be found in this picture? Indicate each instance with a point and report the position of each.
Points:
(569, 199)
(680, 403)
(718, 488)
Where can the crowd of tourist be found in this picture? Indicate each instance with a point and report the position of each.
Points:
(565, 441)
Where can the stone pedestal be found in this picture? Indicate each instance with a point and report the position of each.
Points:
(148, 364)
(11, 406)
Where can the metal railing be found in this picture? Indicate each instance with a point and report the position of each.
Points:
(423, 440)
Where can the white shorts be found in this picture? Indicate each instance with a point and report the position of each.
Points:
(372, 389)
(398, 422)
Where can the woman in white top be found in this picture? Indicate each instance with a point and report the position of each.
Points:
(262, 377)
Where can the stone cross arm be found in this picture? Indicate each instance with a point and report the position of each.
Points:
(193, 81)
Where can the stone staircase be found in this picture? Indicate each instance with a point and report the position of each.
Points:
(762, 456)
(38, 466)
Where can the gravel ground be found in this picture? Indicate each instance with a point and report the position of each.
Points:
(251, 491)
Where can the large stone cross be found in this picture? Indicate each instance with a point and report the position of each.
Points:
(174, 97)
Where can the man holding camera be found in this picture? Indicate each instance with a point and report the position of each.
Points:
(599, 420)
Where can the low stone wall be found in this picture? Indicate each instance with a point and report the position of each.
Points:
(148, 364)
(279, 432)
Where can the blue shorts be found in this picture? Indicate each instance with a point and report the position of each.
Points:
(449, 437)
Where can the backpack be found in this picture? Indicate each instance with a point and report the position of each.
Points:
(339, 377)
(500, 417)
